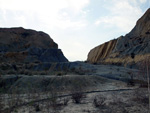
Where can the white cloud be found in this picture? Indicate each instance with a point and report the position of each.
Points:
(69, 21)
(32, 4)
(143, 1)
(50, 16)
(123, 15)
(77, 5)
(52, 13)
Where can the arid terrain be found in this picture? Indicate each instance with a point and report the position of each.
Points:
(99, 92)
(36, 77)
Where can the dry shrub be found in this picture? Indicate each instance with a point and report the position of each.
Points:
(131, 81)
(66, 100)
(99, 101)
(77, 97)
(117, 105)
(37, 108)
(61, 73)
(141, 96)
(77, 89)
(1, 103)
(144, 68)
(54, 101)
(144, 73)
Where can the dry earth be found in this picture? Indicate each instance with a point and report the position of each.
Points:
(112, 95)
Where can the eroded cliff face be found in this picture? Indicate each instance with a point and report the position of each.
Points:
(127, 49)
(101, 52)
(19, 45)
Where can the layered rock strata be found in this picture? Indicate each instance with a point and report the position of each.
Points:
(19, 45)
(131, 48)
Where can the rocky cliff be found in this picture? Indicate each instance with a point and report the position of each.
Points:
(102, 51)
(19, 45)
(127, 49)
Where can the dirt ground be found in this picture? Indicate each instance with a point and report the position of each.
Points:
(100, 94)
(127, 101)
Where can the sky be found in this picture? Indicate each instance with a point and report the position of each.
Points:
(76, 26)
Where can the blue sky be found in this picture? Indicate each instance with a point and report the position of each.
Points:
(76, 25)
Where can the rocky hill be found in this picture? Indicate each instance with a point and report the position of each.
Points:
(19, 45)
(127, 49)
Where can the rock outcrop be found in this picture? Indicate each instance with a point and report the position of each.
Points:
(127, 49)
(19, 45)
(101, 52)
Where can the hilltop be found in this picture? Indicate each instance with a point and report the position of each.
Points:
(19, 45)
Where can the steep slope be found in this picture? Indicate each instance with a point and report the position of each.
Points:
(102, 51)
(128, 49)
(25, 45)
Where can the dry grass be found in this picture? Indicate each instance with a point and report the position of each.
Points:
(126, 60)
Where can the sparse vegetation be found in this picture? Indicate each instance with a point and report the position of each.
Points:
(131, 81)
(99, 101)
(1, 103)
(46, 96)
(144, 67)
(141, 96)
(37, 108)
(77, 97)
(77, 90)
(66, 100)
(61, 73)
(132, 55)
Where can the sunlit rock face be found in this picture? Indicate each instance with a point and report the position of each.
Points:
(133, 47)
(20, 45)
(101, 52)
